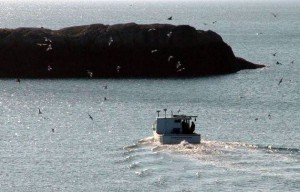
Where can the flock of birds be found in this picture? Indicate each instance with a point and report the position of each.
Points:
(275, 15)
(275, 54)
(178, 65)
(88, 114)
(47, 44)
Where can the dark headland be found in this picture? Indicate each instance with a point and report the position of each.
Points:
(121, 50)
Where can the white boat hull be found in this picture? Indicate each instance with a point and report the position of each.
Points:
(177, 138)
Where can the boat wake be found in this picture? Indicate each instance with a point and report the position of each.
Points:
(279, 149)
(147, 157)
(215, 147)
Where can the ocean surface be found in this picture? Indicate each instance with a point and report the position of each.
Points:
(250, 123)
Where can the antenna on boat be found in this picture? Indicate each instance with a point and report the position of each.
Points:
(165, 110)
(157, 113)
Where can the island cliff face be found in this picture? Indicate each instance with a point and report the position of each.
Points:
(122, 50)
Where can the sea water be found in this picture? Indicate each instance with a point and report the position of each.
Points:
(249, 122)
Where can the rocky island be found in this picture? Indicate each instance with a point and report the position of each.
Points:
(116, 51)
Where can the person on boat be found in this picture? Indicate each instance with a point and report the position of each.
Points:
(192, 127)
(184, 126)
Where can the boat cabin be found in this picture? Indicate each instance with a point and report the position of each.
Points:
(174, 129)
(176, 124)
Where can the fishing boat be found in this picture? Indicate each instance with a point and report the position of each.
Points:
(175, 128)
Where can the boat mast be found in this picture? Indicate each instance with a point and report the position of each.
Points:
(157, 113)
(165, 110)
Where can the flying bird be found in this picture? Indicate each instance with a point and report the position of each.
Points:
(278, 63)
(280, 81)
(49, 68)
(152, 29)
(274, 14)
(154, 51)
(118, 68)
(170, 18)
(169, 34)
(214, 22)
(170, 58)
(292, 62)
(274, 54)
(49, 48)
(90, 117)
(47, 40)
(41, 44)
(181, 69)
(178, 65)
(110, 41)
(89, 73)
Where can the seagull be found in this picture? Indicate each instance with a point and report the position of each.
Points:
(118, 68)
(49, 68)
(40, 112)
(179, 70)
(214, 22)
(170, 18)
(274, 14)
(154, 51)
(278, 63)
(260, 33)
(170, 58)
(152, 29)
(274, 54)
(49, 48)
(169, 34)
(41, 44)
(89, 73)
(90, 117)
(46, 118)
(178, 64)
(110, 41)
(47, 40)
(280, 81)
